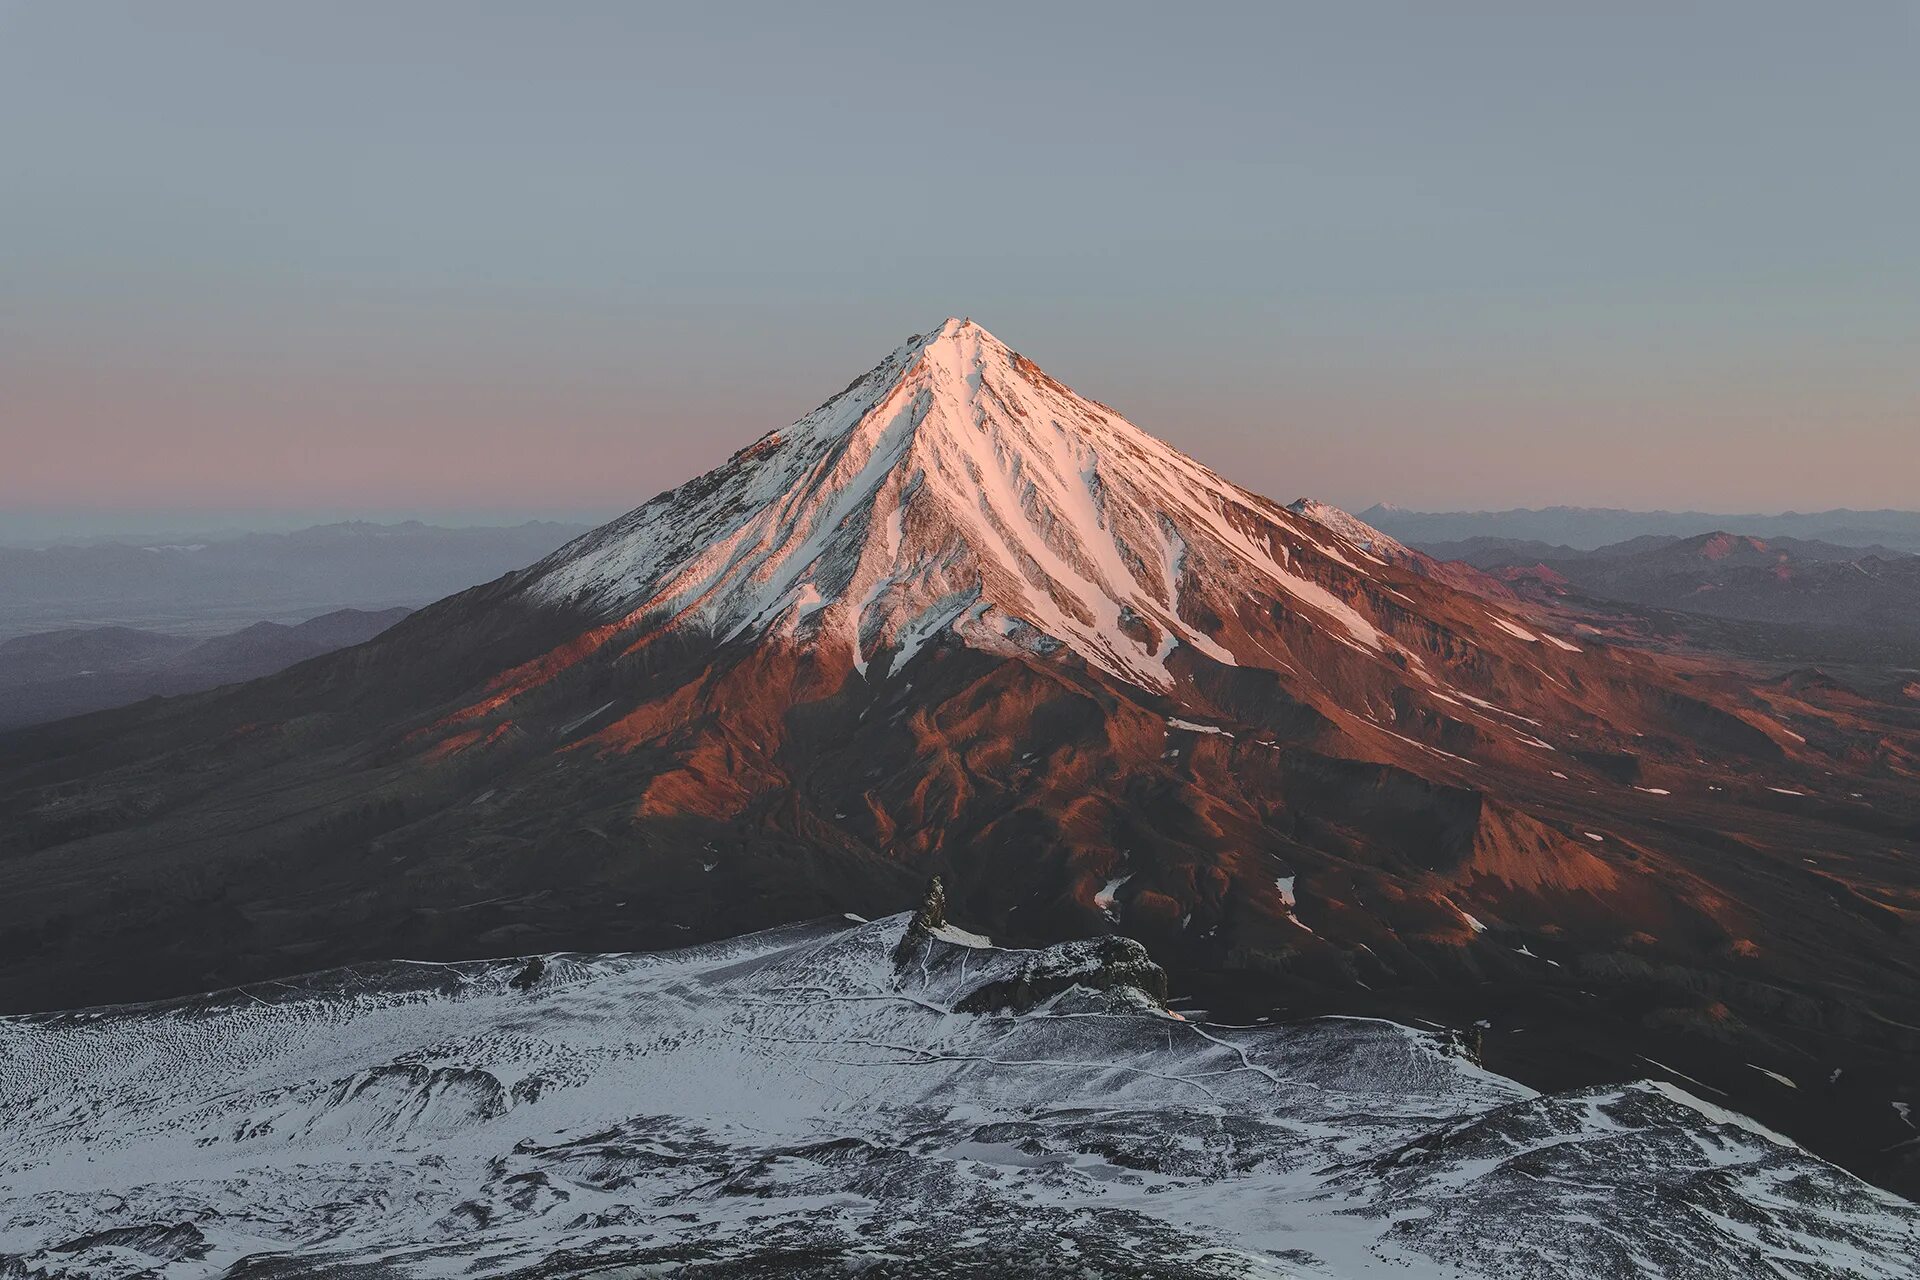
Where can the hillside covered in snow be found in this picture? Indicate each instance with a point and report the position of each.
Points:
(893, 1098)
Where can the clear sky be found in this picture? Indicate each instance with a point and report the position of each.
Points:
(376, 258)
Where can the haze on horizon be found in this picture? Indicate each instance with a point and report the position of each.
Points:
(490, 259)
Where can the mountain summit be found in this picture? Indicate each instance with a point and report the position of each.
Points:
(957, 493)
(954, 487)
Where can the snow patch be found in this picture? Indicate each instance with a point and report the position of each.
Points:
(1513, 629)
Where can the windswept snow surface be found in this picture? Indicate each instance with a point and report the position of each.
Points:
(828, 1100)
(954, 488)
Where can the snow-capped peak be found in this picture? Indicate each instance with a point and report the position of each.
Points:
(953, 487)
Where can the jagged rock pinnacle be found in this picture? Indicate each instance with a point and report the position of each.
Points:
(931, 915)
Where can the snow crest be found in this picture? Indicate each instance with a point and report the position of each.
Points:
(953, 489)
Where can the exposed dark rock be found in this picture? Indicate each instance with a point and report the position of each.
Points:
(1097, 964)
(170, 1243)
(931, 915)
(1467, 1042)
(530, 976)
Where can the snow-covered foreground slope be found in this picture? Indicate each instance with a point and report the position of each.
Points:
(844, 1098)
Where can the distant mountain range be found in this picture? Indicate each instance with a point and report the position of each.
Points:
(1863, 591)
(1585, 528)
(52, 674)
(205, 587)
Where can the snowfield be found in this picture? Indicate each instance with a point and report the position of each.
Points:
(888, 1098)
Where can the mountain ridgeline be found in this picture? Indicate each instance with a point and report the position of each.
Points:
(53, 674)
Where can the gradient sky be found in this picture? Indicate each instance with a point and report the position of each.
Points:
(435, 258)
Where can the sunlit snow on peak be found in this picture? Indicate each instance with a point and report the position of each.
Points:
(951, 489)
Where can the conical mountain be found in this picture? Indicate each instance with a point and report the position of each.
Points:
(960, 620)
(957, 619)
(957, 491)
(954, 487)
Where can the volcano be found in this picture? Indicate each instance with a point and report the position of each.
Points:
(961, 620)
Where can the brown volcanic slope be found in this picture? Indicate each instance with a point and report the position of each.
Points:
(961, 620)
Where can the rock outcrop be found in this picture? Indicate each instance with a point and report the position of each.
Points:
(1095, 964)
